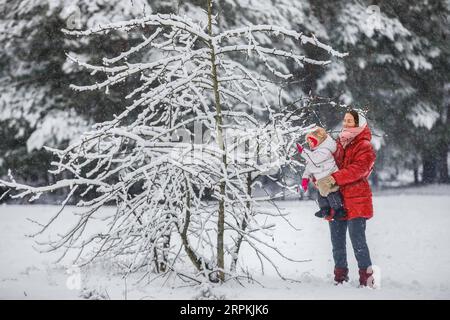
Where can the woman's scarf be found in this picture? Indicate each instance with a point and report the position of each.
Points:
(348, 134)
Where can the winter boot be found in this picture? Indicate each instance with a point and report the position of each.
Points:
(322, 213)
(340, 275)
(340, 214)
(365, 278)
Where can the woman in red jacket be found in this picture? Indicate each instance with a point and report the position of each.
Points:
(355, 158)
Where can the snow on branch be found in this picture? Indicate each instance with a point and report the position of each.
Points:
(166, 20)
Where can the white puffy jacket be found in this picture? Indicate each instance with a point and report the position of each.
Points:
(320, 161)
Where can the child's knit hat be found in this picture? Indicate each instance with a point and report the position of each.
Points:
(317, 136)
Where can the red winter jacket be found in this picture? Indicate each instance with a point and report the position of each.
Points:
(355, 164)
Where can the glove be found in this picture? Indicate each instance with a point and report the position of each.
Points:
(327, 185)
(299, 148)
(305, 184)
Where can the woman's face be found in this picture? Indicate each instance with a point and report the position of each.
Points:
(349, 121)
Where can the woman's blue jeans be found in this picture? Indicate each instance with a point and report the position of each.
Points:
(357, 231)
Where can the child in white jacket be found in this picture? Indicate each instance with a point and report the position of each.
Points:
(320, 164)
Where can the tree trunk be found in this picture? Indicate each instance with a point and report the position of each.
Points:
(165, 249)
(374, 179)
(443, 154)
(443, 166)
(429, 164)
(196, 261)
(416, 171)
(220, 141)
(243, 225)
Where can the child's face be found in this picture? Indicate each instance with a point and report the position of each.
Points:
(312, 142)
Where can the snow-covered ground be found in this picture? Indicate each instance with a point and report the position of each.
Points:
(408, 239)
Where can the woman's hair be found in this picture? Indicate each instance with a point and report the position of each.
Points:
(355, 115)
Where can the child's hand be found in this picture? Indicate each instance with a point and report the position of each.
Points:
(299, 148)
(305, 184)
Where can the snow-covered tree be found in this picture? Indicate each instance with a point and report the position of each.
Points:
(192, 86)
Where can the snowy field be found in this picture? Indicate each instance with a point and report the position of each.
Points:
(408, 239)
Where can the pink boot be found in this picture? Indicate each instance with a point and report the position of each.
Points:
(340, 275)
(365, 278)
